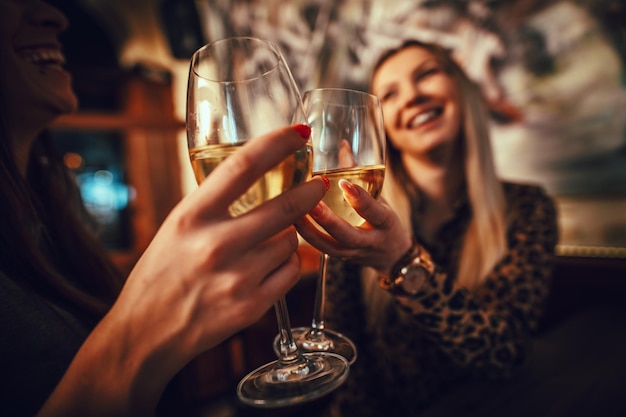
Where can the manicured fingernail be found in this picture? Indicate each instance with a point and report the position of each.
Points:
(349, 188)
(303, 130)
(326, 182)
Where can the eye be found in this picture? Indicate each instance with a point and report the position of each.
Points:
(387, 95)
(425, 73)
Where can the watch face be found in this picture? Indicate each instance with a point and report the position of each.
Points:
(414, 278)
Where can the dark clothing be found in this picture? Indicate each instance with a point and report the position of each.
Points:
(577, 369)
(38, 344)
(416, 350)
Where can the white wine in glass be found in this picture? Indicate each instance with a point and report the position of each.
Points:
(290, 172)
(348, 144)
(370, 178)
(238, 89)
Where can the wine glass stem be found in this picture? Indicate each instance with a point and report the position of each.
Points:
(320, 296)
(288, 348)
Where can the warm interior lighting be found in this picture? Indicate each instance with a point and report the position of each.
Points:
(73, 161)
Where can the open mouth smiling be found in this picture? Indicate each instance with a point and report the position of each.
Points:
(424, 117)
(44, 57)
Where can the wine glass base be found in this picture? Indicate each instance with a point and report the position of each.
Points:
(330, 341)
(279, 384)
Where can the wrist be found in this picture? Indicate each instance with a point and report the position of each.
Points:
(409, 273)
(405, 249)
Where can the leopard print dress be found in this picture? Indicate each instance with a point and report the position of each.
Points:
(417, 349)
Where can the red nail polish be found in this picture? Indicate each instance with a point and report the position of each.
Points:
(303, 130)
(326, 182)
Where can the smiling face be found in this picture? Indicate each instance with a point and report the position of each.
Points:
(38, 88)
(420, 102)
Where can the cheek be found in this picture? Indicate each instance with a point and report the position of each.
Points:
(456, 114)
(389, 116)
(390, 120)
(398, 140)
(457, 117)
(398, 146)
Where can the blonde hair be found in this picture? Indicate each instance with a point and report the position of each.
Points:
(484, 243)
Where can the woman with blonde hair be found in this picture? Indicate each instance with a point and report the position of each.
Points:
(485, 241)
(447, 279)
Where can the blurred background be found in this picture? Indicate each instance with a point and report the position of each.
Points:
(553, 72)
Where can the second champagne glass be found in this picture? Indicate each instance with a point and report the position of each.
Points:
(348, 143)
(240, 88)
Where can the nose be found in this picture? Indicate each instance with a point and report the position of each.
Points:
(44, 14)
(412, 94)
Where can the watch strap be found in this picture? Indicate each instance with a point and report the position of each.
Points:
(414, 256)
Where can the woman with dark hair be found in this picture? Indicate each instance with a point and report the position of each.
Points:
(77, 338)
(446, 281)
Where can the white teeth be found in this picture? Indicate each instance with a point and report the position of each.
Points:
(48, 57)
(423, 118)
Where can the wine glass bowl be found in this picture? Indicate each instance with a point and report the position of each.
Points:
(348, 144)
(238, 89)
(348, 138)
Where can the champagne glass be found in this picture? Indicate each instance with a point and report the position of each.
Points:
(238, 89)
(348, 143)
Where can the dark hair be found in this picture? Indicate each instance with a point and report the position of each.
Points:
(46, 244)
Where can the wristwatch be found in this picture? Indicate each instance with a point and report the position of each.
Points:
(410, 273)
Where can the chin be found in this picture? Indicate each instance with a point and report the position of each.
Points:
(64, 105)
(51, 111)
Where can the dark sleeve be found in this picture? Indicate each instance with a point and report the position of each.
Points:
(361, 394)
(487, 330)
(37, 344)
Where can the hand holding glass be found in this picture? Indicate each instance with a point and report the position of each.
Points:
(241, 88)
(348, 143)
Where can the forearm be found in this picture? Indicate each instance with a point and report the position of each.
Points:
(125, 378)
